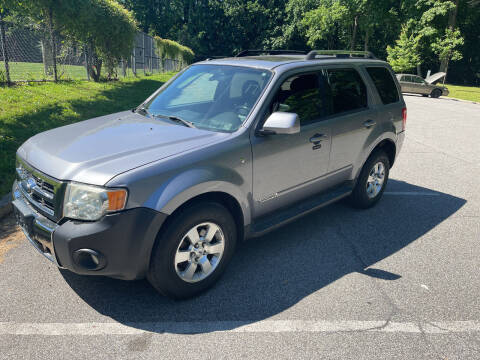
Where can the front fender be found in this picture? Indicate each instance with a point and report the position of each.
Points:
(194, 182)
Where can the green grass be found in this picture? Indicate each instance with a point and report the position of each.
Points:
(35, 71)
(26, 110)
(464, 92)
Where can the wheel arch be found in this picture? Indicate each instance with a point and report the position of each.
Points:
(386, 144)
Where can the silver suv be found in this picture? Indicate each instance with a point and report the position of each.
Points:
(226, 150)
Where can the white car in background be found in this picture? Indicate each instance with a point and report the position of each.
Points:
(417, 85)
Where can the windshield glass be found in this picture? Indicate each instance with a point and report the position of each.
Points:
(212, 97)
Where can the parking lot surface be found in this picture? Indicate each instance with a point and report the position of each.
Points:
(399, 281)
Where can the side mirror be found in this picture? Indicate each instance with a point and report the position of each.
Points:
(281, 123)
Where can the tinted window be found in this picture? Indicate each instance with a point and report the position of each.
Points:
(384, 83)
(344, 90)
(300, 94)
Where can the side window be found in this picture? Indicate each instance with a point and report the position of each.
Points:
(300, 94)
(417, 80)
(408, 79)
(384, 83)
(346, 90)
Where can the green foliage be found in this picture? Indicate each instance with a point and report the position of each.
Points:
(107, 27)
(404, 56)
(323, 23)
(173, 50)
(446, 47)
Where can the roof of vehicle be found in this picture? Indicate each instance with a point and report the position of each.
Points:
(270, 62)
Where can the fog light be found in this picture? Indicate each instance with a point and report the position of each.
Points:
(89, 259)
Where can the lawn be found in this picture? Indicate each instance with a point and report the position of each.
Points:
(35, 71)
(27, 109)
(464, 92)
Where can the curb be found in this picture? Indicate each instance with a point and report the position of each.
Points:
(460, 100)
(5, 205)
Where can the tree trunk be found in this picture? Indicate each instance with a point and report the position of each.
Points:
(452, 22)
(354, 33)
(367, 39)
(4, 49)
(419, 70)
(53, 44)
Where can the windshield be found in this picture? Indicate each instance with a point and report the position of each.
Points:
(212, 97)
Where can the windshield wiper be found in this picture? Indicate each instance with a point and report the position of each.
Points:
(177, 119)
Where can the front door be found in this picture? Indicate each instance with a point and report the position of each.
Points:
(289, 168)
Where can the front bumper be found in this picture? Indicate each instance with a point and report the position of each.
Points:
(121, 242)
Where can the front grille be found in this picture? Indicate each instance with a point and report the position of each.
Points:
(43, 192)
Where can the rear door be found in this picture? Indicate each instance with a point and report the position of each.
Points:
(352, 117)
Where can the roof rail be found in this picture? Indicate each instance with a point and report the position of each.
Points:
(340, 53)
(270, 52)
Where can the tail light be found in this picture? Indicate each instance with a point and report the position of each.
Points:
(404, 118)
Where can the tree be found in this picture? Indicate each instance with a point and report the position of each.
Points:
(105, 26)
(446, 47)
(404, 56)
(324, 24)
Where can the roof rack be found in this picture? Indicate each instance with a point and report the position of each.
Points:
(340, 54)
(269, 52)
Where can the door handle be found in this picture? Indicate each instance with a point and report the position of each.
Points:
(315, 139)
(369, 123)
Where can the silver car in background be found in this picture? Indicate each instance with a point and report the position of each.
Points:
(415, 84)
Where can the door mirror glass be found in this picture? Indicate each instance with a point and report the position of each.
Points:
(281, 123)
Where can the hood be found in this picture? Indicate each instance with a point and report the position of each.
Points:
(96, 150)
(432, 79)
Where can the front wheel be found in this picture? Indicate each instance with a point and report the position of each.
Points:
(372, 181)
(436, 93)
(193, 251)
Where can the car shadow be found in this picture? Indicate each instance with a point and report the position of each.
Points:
(268, 275)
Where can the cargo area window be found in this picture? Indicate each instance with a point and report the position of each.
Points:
(383, 80)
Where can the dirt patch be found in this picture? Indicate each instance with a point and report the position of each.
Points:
(10, 236)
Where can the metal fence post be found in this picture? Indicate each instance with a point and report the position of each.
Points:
(151, 55)
(144, 57)
(134, 58)
(4, 49)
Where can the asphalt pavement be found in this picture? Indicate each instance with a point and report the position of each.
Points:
(398, 281)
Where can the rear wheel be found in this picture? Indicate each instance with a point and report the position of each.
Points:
(192, 253)
(436, 93)
(372, 181)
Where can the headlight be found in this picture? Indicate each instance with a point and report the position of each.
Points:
(86, 202)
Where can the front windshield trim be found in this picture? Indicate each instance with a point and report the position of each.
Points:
(244, 118)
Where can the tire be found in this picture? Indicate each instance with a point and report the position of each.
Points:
(436, 93)
(178, 269)
(424, 95)
(364, 195)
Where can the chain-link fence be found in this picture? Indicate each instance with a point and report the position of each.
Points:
(30, 57)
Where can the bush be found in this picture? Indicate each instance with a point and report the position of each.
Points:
(172, 50)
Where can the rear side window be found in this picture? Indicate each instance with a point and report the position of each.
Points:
(345, 90)
(382, 78)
